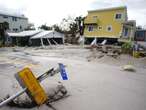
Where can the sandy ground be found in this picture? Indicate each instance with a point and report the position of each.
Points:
(94, 83)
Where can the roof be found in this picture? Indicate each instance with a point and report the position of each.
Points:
(141, 30)
(130, 21)
(108, 9)
(12, 14)
(24, 33)
(48, 34)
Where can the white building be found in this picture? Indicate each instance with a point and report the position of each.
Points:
(16, 22)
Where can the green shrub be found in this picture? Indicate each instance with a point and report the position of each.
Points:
(127, 48)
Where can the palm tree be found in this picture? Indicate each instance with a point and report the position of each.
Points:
(80, 22)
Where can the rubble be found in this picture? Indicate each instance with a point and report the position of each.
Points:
(54, 94)
(100, 80)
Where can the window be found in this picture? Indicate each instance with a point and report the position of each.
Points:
(100, 27)
(118, 16)
(126, 32)
(14, 18)
(9, 39)
(15, 29)
(140, 36)
(20, 27)
(109, 28)
(5, 16)
(94, 17)
(90, 28)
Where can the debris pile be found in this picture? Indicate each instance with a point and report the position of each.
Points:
(54, 94)
(33, 87)
(104, 50)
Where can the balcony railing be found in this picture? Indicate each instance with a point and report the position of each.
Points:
(91, 21)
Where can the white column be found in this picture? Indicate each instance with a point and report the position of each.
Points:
(42, 42)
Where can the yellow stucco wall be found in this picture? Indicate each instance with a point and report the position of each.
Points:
(105, 18)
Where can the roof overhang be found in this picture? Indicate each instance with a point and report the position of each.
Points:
(108, 9)
(24, 33)
(48, 34)
(129, 24)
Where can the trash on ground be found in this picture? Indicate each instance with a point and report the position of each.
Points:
(129, 68)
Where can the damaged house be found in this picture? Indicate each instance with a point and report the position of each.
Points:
(47, 38)
(111, 24)
(140, 37)
(36, 38)
(22, 38)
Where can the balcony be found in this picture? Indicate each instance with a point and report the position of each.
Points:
(91, 21)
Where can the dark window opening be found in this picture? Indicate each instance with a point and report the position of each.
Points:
(118, 16)
(20, 27)
(5, 16)
(15, 29)
(109, 28)
(90, 28)
(14, 18)
(126, 32)
(100, 27)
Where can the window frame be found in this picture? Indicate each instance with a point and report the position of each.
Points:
(15, 29)
(126, 32)
(5, 16)
(90, 28)
(100, 28)
(14, 19)
(118, 17)
(108, 27)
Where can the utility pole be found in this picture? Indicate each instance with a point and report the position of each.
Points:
(80, 24)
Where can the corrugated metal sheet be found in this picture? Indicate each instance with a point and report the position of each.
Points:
(24, 33)
(48, 34)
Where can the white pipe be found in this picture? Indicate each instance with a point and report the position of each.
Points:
(12, 97)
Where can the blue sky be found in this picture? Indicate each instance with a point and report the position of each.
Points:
(53, 11)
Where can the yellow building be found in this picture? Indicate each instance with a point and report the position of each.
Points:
(110, 23)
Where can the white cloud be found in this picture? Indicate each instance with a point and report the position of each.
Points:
(53, 11)
(48, 11)
(14, 6)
